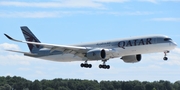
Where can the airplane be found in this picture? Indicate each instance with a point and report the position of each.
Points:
(130, 50)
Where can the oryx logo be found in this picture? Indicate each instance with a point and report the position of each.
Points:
(30, 37)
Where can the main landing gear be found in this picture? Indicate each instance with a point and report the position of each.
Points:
(165, 55)
(104, 66)
(86, 65)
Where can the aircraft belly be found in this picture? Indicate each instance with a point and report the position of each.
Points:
(62, 58)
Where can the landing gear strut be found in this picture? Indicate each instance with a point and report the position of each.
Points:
(165, 55)
(86, 65)
(104, 66)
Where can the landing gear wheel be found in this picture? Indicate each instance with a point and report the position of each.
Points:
(107, 66)
(86, 65)
(104, 66)
(89, 65)
(82, 64)
(165, 58)
(100, 66)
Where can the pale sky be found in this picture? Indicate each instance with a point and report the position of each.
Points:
(68, 22)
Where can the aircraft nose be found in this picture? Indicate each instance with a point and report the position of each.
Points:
(174, 44)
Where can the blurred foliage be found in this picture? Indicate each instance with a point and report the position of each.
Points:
(19, 83)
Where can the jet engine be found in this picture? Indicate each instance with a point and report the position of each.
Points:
(131, 58)
(99, 54)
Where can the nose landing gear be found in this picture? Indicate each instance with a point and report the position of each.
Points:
(165, 55)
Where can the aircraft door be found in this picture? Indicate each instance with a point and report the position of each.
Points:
(154, 40)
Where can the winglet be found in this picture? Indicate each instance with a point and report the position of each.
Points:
(11, 38)
(8, 37)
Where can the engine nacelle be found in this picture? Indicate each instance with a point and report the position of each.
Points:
(99, 54)
(132, 58)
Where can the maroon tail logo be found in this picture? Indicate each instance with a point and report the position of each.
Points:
(31, 38)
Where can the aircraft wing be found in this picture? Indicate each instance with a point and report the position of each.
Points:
(80, 51)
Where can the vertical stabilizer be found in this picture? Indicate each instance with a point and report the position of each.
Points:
(29, 36)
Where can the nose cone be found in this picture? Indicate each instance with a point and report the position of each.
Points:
(174, 44)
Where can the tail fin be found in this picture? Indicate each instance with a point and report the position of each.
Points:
(29, 36)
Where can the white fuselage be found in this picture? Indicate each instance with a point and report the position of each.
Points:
(122, 47)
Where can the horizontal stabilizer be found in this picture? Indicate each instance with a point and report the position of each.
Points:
(25, 53)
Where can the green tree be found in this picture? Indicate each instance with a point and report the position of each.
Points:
(19, 83)
(149, 86)
(7, 87)
(127, 85)
(2, 88)
(139, 87)
(106, 85)
(177, 85)
(167, 85)
(49, 88)
(36, 85)
(62, 88)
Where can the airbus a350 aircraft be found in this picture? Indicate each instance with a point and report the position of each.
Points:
(129, 49)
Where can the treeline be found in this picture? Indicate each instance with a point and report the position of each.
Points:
(19, 83)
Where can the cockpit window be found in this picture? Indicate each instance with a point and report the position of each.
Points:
(167, 39)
